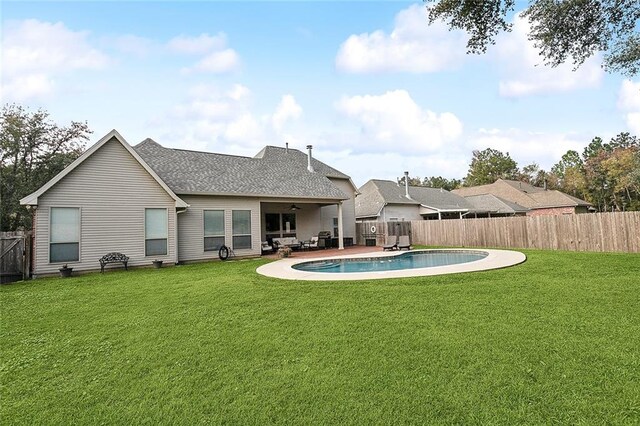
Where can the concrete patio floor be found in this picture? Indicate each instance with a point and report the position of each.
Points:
(331, 252)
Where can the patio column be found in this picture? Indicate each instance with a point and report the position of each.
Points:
(340, 230)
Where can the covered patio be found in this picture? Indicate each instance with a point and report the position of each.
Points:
(303, 219)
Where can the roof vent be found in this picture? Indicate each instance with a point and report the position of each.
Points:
(309, 166)
(286, 147)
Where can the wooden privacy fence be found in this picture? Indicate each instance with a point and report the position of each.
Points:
(602, 232)
(15, 256)
(378, 230)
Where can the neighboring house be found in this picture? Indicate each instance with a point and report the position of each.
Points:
(488, 205)
(151, 202)
(385, 200)
(539, 201)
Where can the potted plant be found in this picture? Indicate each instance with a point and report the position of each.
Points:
(65, 271)
(284, 251)
(157, 264)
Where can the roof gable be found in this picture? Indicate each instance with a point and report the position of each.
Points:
(32, 199)
(369, 202)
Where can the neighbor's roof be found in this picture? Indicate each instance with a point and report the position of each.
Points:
(493, 204)
(369, 201)
(274, 172)
(376, 193)
(554, 198)
(524, 194)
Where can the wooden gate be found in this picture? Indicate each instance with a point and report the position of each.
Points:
(15, 256)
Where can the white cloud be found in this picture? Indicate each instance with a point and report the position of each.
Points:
(286, 110)
(391, 165)
(629, 104)
(629, 98)
(28, 86)
(238, 92)
(197, 45)
(222, 120)
(34, 53)
(217, 59)
(524, 72)
(219, 62)
(131, 44)
(393, 122)
(413, 46)
(526, 147)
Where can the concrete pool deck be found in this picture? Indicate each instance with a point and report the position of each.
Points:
(284, 268)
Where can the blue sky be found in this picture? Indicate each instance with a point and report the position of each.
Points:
(370, 85)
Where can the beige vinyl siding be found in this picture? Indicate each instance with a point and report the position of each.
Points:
(112, 191)
(348, 210)
(191, 225)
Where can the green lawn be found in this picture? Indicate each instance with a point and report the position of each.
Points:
(554, 340)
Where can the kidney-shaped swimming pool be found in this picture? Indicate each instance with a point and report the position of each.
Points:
(384, 265)
(406, 260)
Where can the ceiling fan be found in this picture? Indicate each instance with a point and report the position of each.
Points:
(294, 207)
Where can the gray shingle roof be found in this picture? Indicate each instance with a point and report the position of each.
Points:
(282, 157)
(274, 172)
(369, 202)
(493, 204)
(376, 193)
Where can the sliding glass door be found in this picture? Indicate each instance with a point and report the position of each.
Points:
(280, 225)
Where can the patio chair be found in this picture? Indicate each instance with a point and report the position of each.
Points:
(266, 247)
(391, 243)
(313, 243)
(404, 242)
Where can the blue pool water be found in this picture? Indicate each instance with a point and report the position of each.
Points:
(409, 260)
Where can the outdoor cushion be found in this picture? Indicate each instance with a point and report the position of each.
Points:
(286, 241)
(404, 242)
(391, 243)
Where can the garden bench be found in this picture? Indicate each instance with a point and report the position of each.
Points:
(113, 257)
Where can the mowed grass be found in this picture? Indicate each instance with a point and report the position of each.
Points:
(555, 340)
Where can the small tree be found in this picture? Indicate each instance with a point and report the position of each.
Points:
(33, 149)
(440, 182)
(489, 165)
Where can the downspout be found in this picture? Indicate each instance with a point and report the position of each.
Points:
(176, 235)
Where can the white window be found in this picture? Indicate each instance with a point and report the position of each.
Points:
(155, 232)
(241, 224)
(213, 229)
(64, 234)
